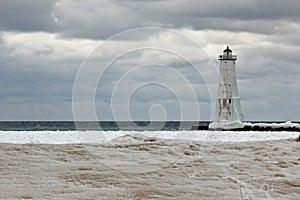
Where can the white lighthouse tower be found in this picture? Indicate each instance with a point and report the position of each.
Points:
(228, 113)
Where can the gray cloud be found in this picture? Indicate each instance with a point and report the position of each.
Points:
(234, 9)
(42, 44)
(101, 19)
(31, 15)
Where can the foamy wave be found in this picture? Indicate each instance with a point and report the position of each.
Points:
(287, 124)
(77, 137)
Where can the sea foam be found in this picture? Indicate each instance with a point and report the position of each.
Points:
(78, 137)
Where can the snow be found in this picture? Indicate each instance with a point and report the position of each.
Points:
(130, 165)
(77, 137)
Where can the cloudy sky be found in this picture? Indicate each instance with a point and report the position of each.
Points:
(102, 60)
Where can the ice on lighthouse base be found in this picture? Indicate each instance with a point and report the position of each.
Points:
(232, 122)
(226, 125)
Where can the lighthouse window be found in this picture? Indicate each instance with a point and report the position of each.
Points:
(225, 62)
(229, 100)
(224, 102)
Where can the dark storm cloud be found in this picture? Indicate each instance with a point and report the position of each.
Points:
(29, 15)
(101, 19)
(246, 9)
(217, 14)
(115, 16)
(235, 15)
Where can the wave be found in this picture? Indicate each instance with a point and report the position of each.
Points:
(85, 137)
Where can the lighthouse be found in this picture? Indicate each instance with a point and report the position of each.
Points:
(228, 114)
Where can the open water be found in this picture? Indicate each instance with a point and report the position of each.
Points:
(103, 125)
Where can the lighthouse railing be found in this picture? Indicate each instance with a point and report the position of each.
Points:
(234, 57)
